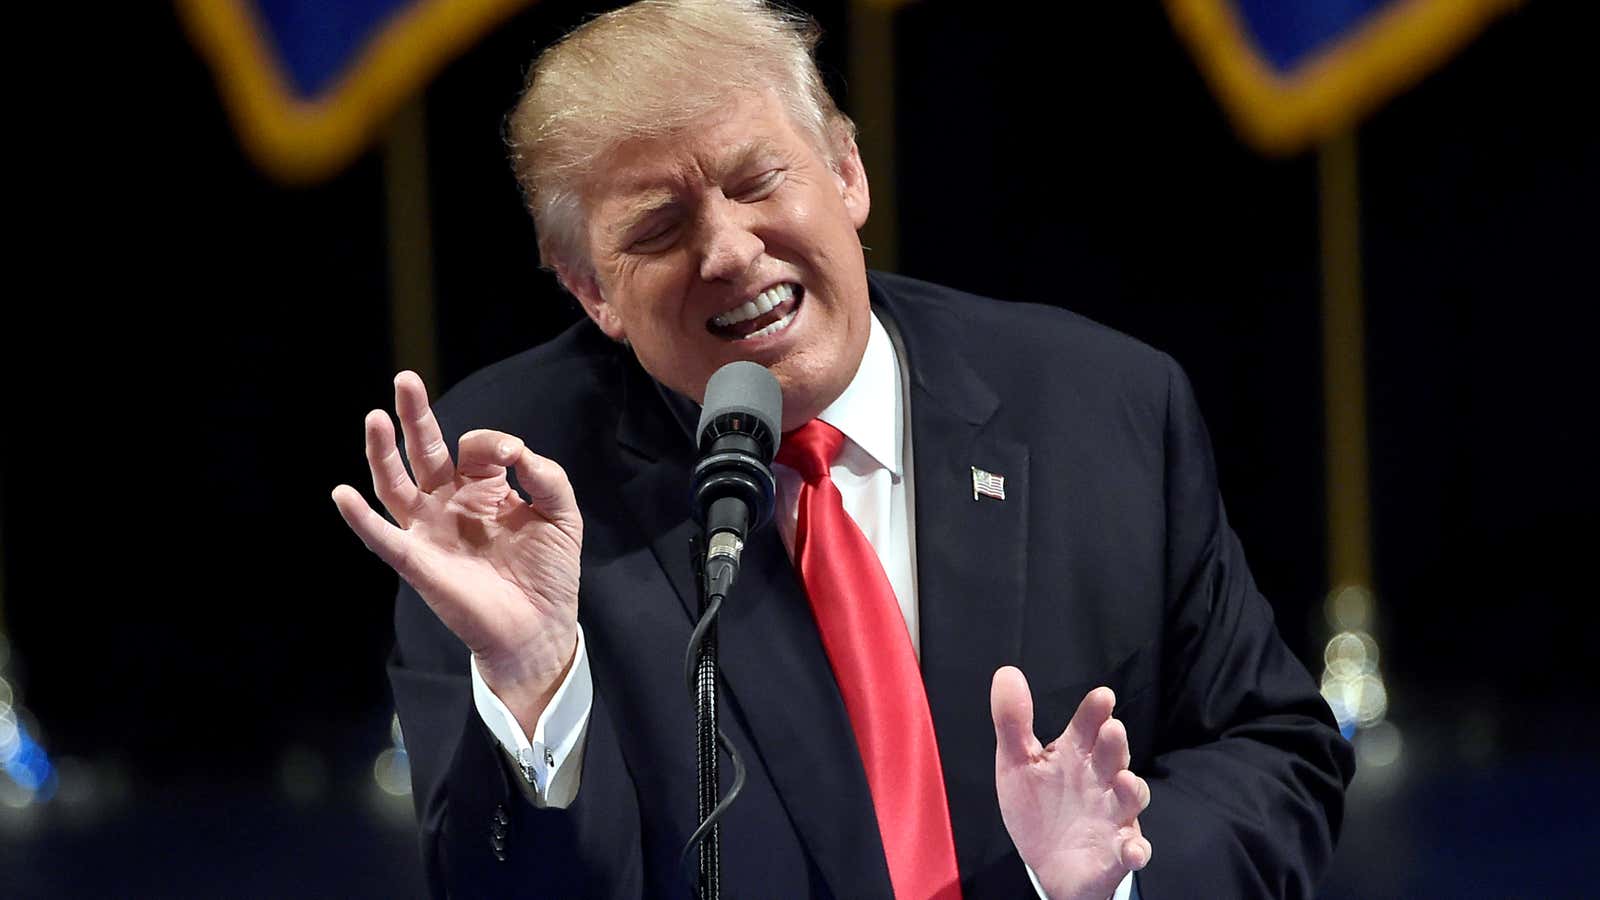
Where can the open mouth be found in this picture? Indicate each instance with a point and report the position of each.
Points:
(769, 312)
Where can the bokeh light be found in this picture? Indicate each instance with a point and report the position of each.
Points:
(1352, 681)
(392, 772)
(26, 774)
(1349, 608)
(1378, 747)
(10, 736)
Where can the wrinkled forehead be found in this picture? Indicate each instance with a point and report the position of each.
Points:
(644, 169)
(750, 131)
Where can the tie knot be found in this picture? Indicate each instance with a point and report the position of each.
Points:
(810, 449)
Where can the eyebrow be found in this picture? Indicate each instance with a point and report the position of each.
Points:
(742, 156)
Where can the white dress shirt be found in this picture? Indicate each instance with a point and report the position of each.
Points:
(873, 476)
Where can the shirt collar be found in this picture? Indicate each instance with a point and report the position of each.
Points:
(860, 412)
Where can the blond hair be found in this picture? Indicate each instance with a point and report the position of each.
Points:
(648, 70)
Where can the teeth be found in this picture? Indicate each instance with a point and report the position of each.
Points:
(774, 328)
(760, 305)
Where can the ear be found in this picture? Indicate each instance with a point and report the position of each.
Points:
(587, 290)
(852, 178)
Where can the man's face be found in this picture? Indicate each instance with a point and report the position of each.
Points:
(733, 239)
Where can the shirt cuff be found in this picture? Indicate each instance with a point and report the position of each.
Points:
(1125, 888)
(551, 758)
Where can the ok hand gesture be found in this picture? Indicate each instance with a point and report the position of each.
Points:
(499, 570)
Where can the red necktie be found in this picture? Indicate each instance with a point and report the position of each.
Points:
(868, 646)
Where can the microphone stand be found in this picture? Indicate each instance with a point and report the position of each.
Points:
(700, 672)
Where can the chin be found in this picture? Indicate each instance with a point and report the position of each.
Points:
(803, 399)
(813, 378)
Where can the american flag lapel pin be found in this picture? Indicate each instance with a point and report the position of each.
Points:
(988, 484)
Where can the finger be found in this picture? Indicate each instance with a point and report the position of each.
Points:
(1110, 749)
(486, 454)
(1012, 708)
(1136, 853)
(391, 544)
(549, 491)
(390, 479)
(425, 447)
(1091, 714)
(1132, 793)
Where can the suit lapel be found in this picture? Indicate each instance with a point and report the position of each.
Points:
(780, 687)
(971, 561)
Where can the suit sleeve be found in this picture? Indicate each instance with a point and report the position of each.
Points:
(480, 836)
(1248, 782)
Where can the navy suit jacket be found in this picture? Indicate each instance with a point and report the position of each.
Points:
(1110, 561)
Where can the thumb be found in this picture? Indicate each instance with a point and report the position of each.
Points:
(1012, 708)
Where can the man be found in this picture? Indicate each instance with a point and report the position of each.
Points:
(1030, 489)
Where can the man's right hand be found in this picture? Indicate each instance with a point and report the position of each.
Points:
(499, 571)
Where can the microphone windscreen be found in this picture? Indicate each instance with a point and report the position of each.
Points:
(742, 388)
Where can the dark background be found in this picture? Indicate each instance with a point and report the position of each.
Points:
(190, 348)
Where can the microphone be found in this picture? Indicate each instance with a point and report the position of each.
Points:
(733, 492)
(733, 487)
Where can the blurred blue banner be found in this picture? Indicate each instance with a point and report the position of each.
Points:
(308, 82)
(1293, 72)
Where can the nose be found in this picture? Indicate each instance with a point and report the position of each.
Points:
(730, 245)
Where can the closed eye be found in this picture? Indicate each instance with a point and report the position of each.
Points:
(655, 238)
(759, 187)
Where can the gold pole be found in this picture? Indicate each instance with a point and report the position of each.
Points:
(1352, 681)
(1343, 360)
(411, 301)
(871, 92)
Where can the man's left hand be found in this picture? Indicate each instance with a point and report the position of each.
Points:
(1071, 806)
